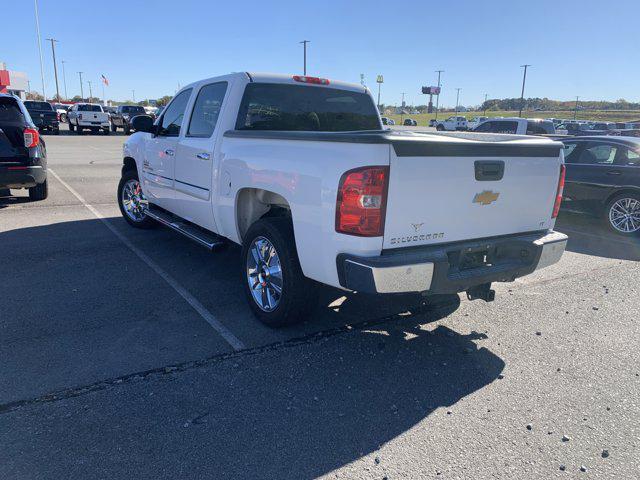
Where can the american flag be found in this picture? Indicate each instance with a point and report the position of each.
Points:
(104, 80)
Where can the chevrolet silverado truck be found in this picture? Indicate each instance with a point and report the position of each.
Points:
(299, 171)
(88, 116)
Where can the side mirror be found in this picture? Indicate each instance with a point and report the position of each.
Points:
(142, 123)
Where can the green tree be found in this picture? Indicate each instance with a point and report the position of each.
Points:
(162, 101)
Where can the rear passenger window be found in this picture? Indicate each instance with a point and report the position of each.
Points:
(174, 114)
(534, 128)
(206, 110)
(628, 157)
(569, 150)
(598, 154)
(498, 127)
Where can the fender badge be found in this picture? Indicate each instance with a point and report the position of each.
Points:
(486, 197)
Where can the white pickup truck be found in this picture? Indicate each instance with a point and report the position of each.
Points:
(299, 171)
(88, 116)
(452, 124)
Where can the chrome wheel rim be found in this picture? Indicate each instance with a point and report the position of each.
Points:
(624, 215)
(133, 201)
(264, 274)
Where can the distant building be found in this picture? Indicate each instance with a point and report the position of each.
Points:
(13, 82)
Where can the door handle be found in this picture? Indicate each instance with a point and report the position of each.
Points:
(169, 152)
(203, 156)
(614, 172)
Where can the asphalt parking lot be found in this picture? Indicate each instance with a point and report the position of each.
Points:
(127, 353)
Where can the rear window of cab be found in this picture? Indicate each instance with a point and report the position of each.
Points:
(288, 107)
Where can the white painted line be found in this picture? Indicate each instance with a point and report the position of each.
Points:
(231, 339)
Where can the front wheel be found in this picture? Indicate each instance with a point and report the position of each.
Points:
(276, 289)
(132, 202)
(71, 127)
(439, 128)
(623, 214)
(127, 130)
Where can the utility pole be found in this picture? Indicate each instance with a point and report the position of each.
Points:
(134, 95)
(90, 92)
(55, 66)
(438, 97)
(402, 108)
(457, 98)
(524, 79)
(362, 79)
(44, 95)
(379, 81)
(64, 79)
(575, 110)
(304, 46)
(484, 113)
(81, 90)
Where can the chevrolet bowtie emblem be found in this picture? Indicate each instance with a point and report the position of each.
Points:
(485, 198)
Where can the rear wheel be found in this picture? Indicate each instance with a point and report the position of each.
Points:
(105, 130)
(132, 202)
(127, 130)
(276, 289)
(79, 130)
(39, 192)
(114, 128)
(71, 127)
(439, 128)
(623, 214)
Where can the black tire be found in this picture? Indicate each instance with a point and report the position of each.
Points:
(39, 192)
(146, 222)
(105, 131)
(63, 117)
(56, 131)
(299, 297)
(71, 127)
(439, 128)
(608, 214)
(114, 128)
(79, 130)
(127, 130)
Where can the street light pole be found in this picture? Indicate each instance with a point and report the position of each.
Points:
(55, 66)
(44, 95)
(402, 108)
(438, 97)
(457, 98)
(575, 110)
(90, 91)
(64, 80)
(524, 79)
(484, 113)
(81, 90)
(379, 81)
(134, 95)
(304, 46)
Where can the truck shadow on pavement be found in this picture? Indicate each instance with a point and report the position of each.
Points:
(589, 236)
(160, 396)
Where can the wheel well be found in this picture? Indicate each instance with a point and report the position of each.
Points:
(622, 191)
(128, 164)
(252, 204)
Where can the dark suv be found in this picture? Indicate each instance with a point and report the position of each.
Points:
(23, 155)
(123, 116)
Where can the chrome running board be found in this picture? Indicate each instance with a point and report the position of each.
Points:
(207, 239)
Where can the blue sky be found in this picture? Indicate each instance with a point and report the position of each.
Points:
(586, 48)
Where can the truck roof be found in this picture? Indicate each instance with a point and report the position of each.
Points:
(262, 77)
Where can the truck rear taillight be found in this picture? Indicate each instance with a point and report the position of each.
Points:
(315, 80)
(556, 205)
(31, 137)
(362, 201)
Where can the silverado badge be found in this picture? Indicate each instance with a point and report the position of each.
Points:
(486, 197)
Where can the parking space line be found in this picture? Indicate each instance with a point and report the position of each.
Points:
(231, 339)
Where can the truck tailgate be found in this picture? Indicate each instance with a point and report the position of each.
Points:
(448, 188)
